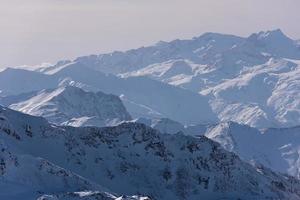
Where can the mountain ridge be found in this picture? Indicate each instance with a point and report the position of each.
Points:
(135, 149)
(69, 105)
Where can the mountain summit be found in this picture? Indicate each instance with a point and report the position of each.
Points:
(73, 106)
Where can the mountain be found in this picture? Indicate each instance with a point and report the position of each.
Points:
(69, 105)
(141, 96)
(23, 176)
(129, 159)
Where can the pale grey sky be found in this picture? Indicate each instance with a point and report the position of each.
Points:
(36, 31)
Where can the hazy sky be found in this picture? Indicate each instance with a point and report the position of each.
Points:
(36, 31)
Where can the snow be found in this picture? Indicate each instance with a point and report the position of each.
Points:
(262, 96)
(72, 106)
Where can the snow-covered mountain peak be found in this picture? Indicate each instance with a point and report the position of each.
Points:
(271, 35)
(276, 44)
(71, 105)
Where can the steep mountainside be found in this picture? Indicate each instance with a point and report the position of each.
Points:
(73, 106)
(261, 96)
(135, 159)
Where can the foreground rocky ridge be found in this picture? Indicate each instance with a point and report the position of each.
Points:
(134, 159)
(24, 176)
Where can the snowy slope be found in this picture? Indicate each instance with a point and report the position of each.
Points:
(68, 105)
(27, 177)
(135, 159)
(265, 95)
(24, 177)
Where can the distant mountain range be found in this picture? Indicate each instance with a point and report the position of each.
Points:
(253, 81)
